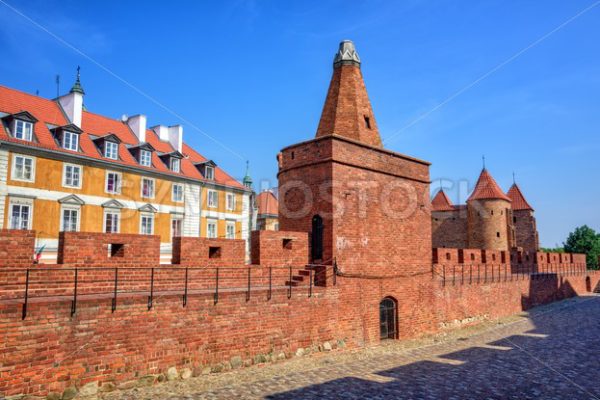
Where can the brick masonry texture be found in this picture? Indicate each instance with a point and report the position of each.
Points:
(189, 251)
(16, 248)
(279, 248)
(449, 229)
(377, 230)
(114, 249)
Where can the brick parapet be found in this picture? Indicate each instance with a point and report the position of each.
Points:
(192, 251)
(16, 248)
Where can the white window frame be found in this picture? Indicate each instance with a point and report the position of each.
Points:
(27, 134)
(119, 182)
(210, 222)
(173, 197)
(74, 142)
(173, 219)
(153, 186)
(114, 212)
(79, 181)
(21, 203)
(230, 201)
(113, 146)
(13, 171)
(210, 173)
(210, 204)
(152, 219)
(230, 225)
(175, 164)
(62, 219)
(145, 158)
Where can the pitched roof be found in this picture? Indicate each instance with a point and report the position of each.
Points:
(441, 202)
(49, 112)
(487, 188)
(267, 203)
(518, 200)
(347, 111)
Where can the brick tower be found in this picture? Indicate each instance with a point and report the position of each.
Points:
(365, 206)
(524, 221)
(489, 216)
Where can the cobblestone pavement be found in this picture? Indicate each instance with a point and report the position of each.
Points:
(553, 352)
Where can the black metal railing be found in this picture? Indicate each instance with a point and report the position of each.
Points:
(461, 274)
(49, 284)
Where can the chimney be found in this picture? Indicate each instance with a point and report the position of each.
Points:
(137, 124)
(72, 103)
(162, 132)
(176, 137)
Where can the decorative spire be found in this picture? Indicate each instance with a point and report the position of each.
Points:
(487, 188)
(347, 111)
(441, 202)
(247, 179)
(346, 55)
(77, 88)
(518, 200)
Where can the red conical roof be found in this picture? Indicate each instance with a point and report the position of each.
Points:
(487, 188)
(441, 202)
(518, 200)
(347, 111)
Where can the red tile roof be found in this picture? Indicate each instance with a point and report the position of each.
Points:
(518, 200)
(441, 202)
(49, 112)
(487, 188)
(267, 203)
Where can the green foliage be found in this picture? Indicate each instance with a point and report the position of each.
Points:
(584, 240)
(553, 250)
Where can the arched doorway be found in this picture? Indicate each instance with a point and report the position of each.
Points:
(388, 319)
(317, 238)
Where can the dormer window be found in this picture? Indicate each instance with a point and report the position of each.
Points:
(23, 130)
(175, 164)
(111, 150)
(209, 173)
(70, 141)
(145, 158)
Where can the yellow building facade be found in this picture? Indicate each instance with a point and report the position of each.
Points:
(63, 168)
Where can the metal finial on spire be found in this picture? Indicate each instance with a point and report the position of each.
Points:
(77, 88)
(483, 159)
(514, 179)
(346, 55)
(247, 179)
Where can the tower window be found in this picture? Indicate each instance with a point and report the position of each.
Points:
(497, 234)
(514, 219)
(367, 122)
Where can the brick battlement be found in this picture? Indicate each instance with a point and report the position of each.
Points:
(191, 251)
(108, 249)
(277, 248)
(16, 248)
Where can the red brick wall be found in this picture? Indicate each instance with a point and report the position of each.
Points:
(198, 252)
(377, 195)
(449, 229)
(526, 230)
(488, 226)
(279, 248)
(16, 247)
(92, 249)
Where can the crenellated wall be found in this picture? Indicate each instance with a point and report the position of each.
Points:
(199, 252)
(16, 248)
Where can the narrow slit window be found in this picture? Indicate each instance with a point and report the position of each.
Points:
(367, 122)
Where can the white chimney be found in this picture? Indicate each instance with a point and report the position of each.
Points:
(72, 104)
(137, 124)
(162, 132)
(176, 137)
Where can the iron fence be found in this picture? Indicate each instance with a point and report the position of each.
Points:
(460, 274)
(42, 284)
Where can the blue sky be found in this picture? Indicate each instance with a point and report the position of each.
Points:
(253, 75)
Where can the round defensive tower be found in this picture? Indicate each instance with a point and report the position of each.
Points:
(489, 216)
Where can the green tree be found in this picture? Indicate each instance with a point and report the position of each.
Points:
(584, 240)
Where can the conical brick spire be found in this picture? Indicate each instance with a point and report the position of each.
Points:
(347, 111)
(518, 200)
(487, 188)
(441, 202)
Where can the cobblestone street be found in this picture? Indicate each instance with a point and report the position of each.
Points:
(553, 352)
